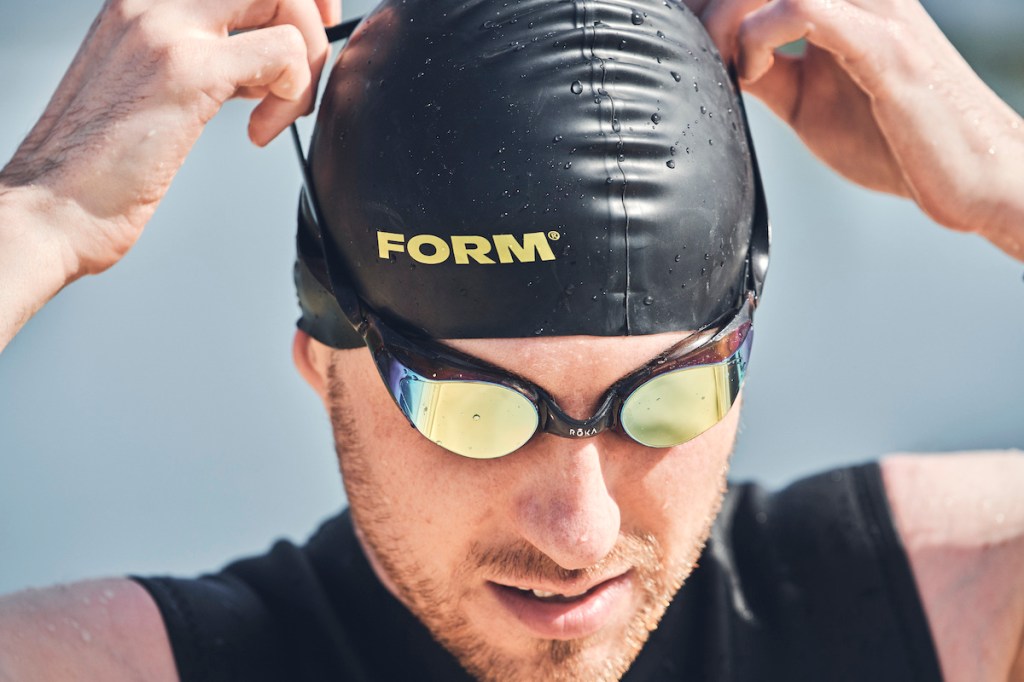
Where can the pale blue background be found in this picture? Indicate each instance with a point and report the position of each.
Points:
(151, 420)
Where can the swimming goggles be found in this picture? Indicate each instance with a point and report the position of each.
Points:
(478, 410)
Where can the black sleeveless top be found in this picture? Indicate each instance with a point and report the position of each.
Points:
(809, 583)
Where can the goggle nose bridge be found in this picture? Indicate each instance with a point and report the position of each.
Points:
(557, 422)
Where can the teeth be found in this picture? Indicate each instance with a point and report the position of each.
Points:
(544, 594)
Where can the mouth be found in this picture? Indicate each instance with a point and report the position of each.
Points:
(563, 613)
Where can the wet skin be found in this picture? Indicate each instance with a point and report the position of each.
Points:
(611, 525)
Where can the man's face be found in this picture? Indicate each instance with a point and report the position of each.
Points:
(465, 543)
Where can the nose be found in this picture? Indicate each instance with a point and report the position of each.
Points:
(565, 508)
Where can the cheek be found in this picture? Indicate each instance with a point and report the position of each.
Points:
(677, 494)
(409, 490)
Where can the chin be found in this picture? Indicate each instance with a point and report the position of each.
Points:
(603, 657)
(494, 650)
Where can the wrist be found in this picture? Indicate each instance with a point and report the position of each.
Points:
(31, 223)
(35, 263)
(1003, 225)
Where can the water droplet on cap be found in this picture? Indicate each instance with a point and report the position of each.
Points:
(656, 118)
(677, 257)
(649, 300)
(556, 138)
(568, 165)
(676, 76)
(671, 163)
(476, 417)
(637, 18)
(615, 125)
(576, 87)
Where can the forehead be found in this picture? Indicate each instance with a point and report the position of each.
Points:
(550, 361)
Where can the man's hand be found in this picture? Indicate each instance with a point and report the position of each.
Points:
(146, 80)
(881, 96)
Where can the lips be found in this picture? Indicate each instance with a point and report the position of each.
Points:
(552, 612)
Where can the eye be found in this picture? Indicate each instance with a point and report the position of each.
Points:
(678, 406)
(470, 418)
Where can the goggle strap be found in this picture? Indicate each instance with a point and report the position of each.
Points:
(345, 296)
(761, 234)
(334, 33)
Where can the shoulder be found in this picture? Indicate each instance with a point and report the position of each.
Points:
(961, 519)
(97, 630)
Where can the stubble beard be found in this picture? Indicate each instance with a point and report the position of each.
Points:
(435, 602)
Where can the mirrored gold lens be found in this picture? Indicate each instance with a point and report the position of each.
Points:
(678, 406)
(469, 418)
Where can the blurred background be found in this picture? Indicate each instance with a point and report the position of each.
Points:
(151, 419)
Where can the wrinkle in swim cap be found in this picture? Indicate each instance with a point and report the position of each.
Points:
(528, 168)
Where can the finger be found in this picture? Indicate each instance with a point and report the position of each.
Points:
(722, 19)
(270, 117)
(330, 11)
(280, 109)
(239, 15)
(835, 26)
(779, 86)
(273, 58)
(304, 16)
(246, 14)
(252, 92)
(762, 33)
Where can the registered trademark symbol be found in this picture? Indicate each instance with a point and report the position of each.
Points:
(554, 236)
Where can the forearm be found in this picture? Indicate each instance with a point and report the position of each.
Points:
(34, 265)
(967, 143)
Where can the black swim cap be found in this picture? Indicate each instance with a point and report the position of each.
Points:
(541, 167)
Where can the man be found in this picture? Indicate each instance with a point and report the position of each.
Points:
(556, 560)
